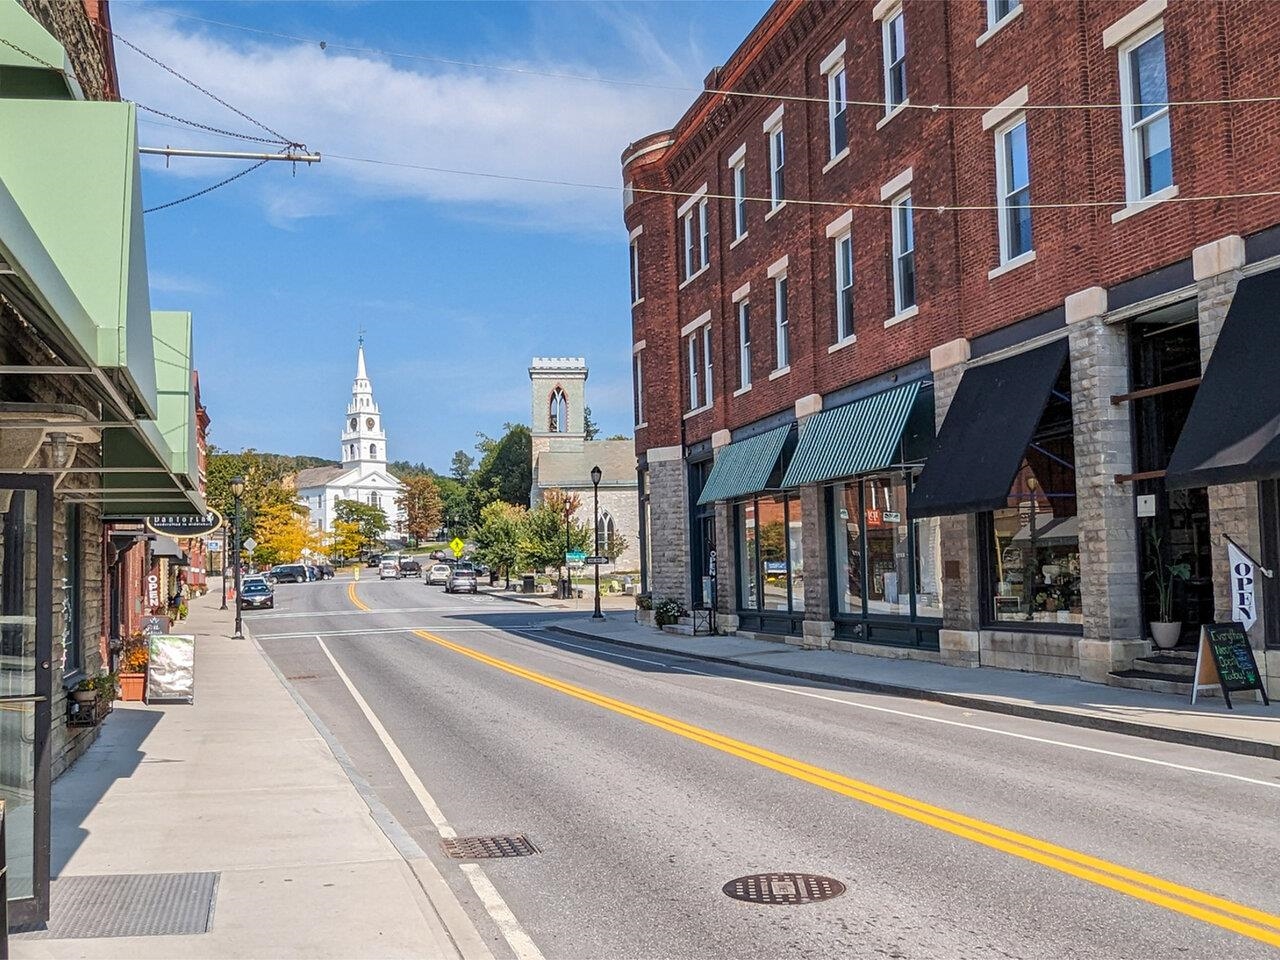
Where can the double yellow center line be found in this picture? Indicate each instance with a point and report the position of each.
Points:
(1220, 912)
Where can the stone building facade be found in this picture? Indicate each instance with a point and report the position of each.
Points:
(824, 266)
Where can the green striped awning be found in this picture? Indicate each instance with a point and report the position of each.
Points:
(744, 467)
(852, 439)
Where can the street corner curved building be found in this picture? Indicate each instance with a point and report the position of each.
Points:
(938, 355)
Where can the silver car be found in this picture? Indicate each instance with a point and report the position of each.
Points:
(389, 569)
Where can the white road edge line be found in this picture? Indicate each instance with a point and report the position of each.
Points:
(906, 713)
(521, 943)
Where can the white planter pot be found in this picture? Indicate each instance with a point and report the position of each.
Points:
(1166, 635)
(645, 617)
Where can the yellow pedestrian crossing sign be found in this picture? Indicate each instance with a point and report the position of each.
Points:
(457, 546)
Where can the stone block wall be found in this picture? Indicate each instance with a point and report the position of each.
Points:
(84, 40)
(669, 513)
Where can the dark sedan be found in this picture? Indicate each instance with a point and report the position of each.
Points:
(257, 595)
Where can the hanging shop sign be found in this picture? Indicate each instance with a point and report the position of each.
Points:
(1244, 602)
(180, 526)
(1225, 660)
(153, 591)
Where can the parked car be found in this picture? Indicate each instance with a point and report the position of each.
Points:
(438, 574)
(375, 559)
(462, 579)
(389, 570)
(256, 594)
(287, 573)
(410, 567)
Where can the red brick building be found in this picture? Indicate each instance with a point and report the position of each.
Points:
(878, 208)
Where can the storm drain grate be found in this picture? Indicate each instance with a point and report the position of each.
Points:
(489, 848)
(782, 888)
(128, 905)
(303, 676)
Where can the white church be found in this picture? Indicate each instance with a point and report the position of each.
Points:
(363, 475)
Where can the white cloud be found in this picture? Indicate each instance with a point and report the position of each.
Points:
(354, 105)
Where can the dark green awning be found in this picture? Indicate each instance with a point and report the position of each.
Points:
(744, 467)
(852, 439)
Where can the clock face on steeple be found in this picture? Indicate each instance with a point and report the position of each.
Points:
(354, 422)
(369, 423)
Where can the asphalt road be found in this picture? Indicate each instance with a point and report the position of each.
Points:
(649, 781)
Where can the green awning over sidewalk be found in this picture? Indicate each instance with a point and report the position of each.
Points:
(852, 439)
(46, 72)
(72, 172)
(744, 467)
(163, 450)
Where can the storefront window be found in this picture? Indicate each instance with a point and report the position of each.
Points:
(771, 554)
(888, 553)
(1034, 552)
(847, 547)
(928, 533)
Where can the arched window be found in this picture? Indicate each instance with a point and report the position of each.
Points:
(558, 422)
(374, 499)
(373, 451)
(605, 531)
(352, 448)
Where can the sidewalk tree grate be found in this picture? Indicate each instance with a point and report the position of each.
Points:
(128, 905)
(783, 888)
(489, 848)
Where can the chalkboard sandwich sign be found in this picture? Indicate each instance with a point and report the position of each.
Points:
(1226, 660)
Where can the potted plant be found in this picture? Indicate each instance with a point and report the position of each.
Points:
(133, 667)
(86, 691)
(644, 608)
(1165, 631)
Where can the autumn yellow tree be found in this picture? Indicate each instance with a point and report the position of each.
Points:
(282, 533)
(344, 539)
(422, 506)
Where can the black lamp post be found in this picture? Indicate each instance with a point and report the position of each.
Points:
(222, 554)
(596, 474)
(568, 577)
(237, 491)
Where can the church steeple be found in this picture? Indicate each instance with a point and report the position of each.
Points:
(363, 439)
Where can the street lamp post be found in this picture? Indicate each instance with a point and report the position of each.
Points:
(568, 576)
(237, 491)
(222, 555)
(596, 474)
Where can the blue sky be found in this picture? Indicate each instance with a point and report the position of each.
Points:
(457, 281)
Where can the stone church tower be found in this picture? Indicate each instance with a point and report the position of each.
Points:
(559, 386)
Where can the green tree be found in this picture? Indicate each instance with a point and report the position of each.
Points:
(371, 521)
(505, 471)
(614, 545)
(461, 466)
(422, 506)
(498, 536)
(542, 541)
(618, 436)
(589, 426)
(456, 500)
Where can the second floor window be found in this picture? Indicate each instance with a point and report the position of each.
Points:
(637, 376)
(744, 344)
(781, 328)
(697, 240)
(699, 350)
(740, 199)
(844, 287)
(895, 60)
(777, 161)
(904, 255)
(1144, 95)
(1013, 181)
(635, 271)
(837, 110)
(997, 10)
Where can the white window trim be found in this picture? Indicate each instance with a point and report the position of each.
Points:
(775, 210)
(739, 163)
(704, 234)
(638, 346)
(994, 28)
(688, 280)
(779, 278)
(690, 200)
(900, 312)
(840, 225)
(776, 203)
(1014, 264)
(1132, 163)
(633, 254)
(693, 413)
(893, 113)
(834, 58)
(780, 372)
(899, 184)
(780, 265)
(1002, 193)
(742, 390)
(1146, 203)
(693, 325)
(636, 232)
(737, 157)
(691, 359)
(901, 315)
(744, 344)
(846, 234)
(1136, 19)
(742, 292)
(841, 344)
(1006, 108)
(737, 240)
(892, 12)
(708, 368)
(637, 373)
(835, 160)
(774, 119)
(832, 65)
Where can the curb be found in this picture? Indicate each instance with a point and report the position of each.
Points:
(1191, 738)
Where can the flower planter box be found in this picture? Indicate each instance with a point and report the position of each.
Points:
(133, 686)
(645, 617)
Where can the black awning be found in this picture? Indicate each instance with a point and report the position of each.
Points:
(986, 433)
(1233, 431)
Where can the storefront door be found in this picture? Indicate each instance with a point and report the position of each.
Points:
(26, 621)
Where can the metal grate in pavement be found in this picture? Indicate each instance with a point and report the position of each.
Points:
(128, 905)
(780, 888)
(489, 848)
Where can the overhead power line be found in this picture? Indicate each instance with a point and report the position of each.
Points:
(837, 204)
(877, 103)
(208, 189)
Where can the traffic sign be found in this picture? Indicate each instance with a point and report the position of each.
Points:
(575, 556)
(457, 546)
(596, 561)
(250, 544)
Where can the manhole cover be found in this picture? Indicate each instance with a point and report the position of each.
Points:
(489, 848)
(783, 888)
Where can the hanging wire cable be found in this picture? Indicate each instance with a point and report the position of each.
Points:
(205, 127)
(837, 204)
(208, 189)
(678, 88)
(280, 138)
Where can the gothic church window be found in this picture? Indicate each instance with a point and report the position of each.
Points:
(559, 419)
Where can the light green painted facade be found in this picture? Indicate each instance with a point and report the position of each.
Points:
(30, 76)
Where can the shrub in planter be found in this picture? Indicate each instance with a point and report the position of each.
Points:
(86, 691)
(644, 601)
(669, 610)
(133, 667)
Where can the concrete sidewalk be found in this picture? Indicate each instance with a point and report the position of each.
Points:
(1249, 729)
(243, 784)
